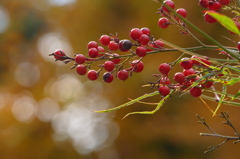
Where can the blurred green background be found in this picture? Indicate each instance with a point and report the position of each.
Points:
(46, 109)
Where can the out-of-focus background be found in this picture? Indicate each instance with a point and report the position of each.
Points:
(46, 109)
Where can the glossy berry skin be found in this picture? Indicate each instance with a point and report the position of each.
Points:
(137, 66)
(157, 44)
(164, 68)
(92, 75)
(59, 55)
(179, 77)
(92, 44)
(144, 39)
(169, 3)
(196, 91)
(107, 77)
(81, 69)
(105, 40)
(224, 2)
(141, 51)
(108, 66)
(188, 72)
(164, 90)
(182, 12)
(93, 52)
(187, 63)
(203, 3)
(116, 60)
(125, 45)
(80, 59)
(135, 33)
(146, 31)
(209, 19)
(216, 6)
(165, 80)
(207, 84)
(163, 23)
(122, 75)
(113, 46)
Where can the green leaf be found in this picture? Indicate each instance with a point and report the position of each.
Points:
(224, 91)
(129, 103)
(160, 104)
(225, 21)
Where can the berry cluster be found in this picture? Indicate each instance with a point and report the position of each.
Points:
(106, 50)
(164, 21)
(213, 5)
(197, 74)
(194, 69)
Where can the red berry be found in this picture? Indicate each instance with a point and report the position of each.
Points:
(145, 31)
(107, 77)
(122, 75)
(101, 51)
(207, 84)
(109, 66)
(125, 45)
(105, 39)
(93, 52)
(144, 39)
(92, 44)
(113, 46)
(164, 90)
(81, 69)
(179, 77)
(157, 44)
(195, 60)
(209, 19)
(188, 72)
(182, 12)
(92, 75)
(169, 3)
(80, 59)
(115, 60)
(238, 46)
(137, 66)
(165, 80)
(205, 61)
(216, 6)
(163, 23)
(195, 91)
(135, 33)
(224, 2)
(141, 51)
(203, 3)
(187, 63)
(59, 55)
(164, 68)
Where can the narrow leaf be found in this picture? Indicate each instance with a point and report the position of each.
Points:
(164, 99)
(224, 90)
(225, 21)
(129, 103)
